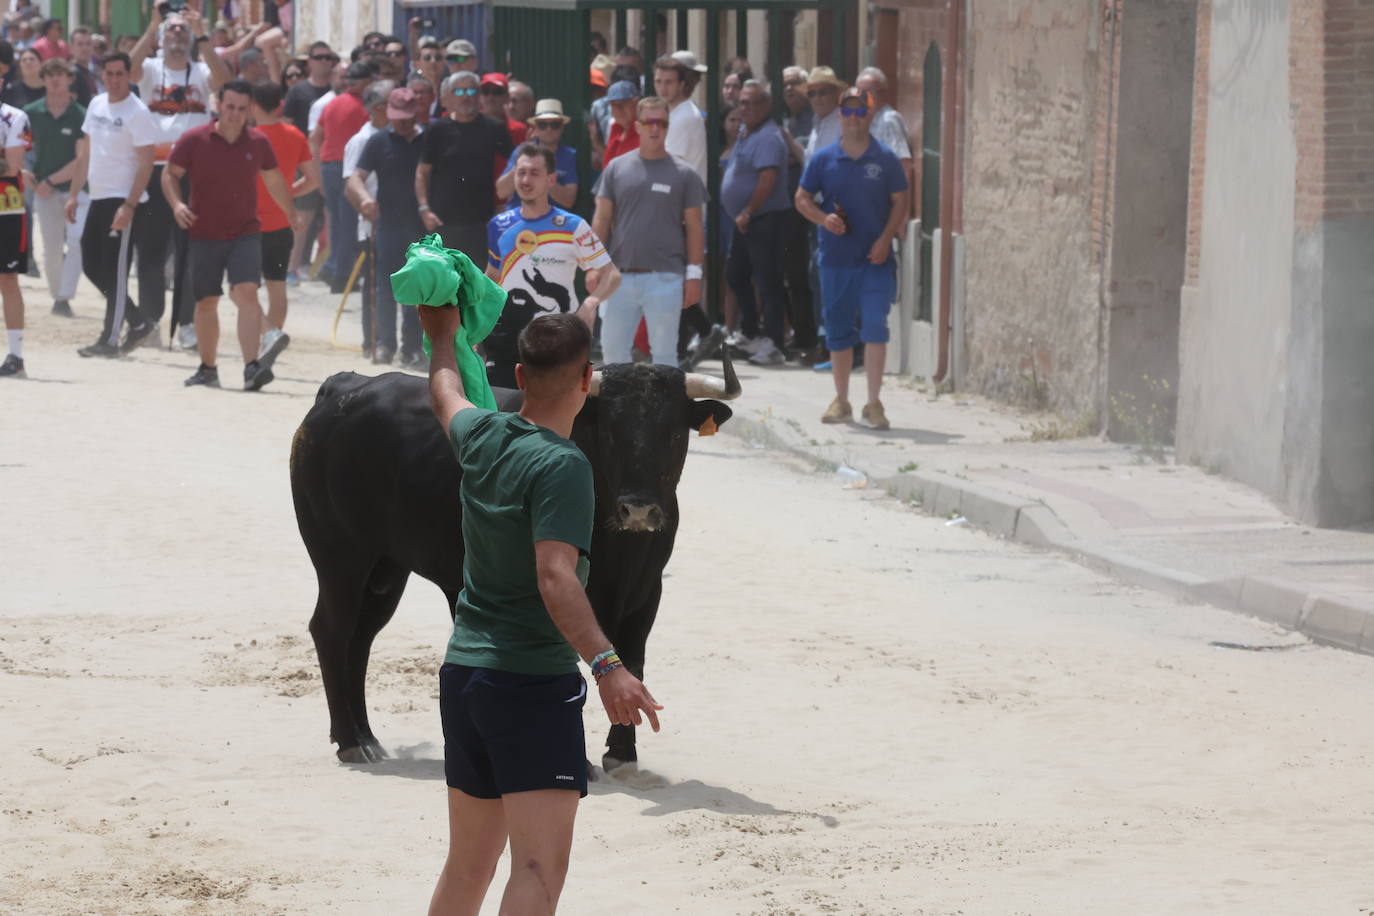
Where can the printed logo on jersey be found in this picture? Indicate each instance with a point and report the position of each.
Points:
(526, 242)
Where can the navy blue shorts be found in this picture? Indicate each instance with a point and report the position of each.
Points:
(507, 732)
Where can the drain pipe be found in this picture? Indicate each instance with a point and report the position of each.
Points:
(949, 106)
(1113, 13)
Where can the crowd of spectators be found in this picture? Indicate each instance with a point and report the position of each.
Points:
(407, 135)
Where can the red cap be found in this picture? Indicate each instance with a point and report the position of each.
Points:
(495, 79)
(598, 78)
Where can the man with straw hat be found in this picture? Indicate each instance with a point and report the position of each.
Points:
(546, 130)
(823, 89)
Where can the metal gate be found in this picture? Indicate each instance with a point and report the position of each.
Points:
(451, 20)
(930, 174)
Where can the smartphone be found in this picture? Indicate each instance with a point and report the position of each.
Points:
(426, 23)
(167, 7)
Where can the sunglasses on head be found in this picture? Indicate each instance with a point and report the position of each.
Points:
(465, 91)
(654, 122)
(856, 111)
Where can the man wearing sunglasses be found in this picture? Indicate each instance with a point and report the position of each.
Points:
(649, 211)
(461, 55)
(455, 182)
(823, 90)
(546, 131)
(864, 193)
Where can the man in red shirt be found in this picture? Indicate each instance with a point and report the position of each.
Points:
(223, 160)
(624, 98)
(339, 121)
(492, 94)
(293, 154)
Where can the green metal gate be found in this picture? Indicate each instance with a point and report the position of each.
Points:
(930, 175)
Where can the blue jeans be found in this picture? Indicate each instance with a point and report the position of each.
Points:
(343, 224)
(657, 297)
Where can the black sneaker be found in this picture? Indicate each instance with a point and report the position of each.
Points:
(205, 375)
(13, 366)
(63, 309)
(255, 375)
(102, 348)
(135, 337)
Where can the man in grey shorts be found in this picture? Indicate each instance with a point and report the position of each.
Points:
(224, 159)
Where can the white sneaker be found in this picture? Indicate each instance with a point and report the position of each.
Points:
(740, 342)
(766, 353)
(186, 337)
(273, 342)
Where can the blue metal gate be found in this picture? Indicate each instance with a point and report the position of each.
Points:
(451, 20)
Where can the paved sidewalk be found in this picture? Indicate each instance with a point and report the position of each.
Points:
(1164, 526)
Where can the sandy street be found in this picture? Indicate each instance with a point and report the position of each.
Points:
(868, 711)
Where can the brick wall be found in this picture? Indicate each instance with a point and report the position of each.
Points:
(1348, 174)
(1032, 330)
(1306, 83)
(1104, 130)
(1198, 161)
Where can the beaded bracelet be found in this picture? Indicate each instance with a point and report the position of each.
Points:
(605, 663)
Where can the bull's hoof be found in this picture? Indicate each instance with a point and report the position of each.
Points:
(363, 753)
(610, 764)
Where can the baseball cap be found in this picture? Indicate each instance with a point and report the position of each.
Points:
(495, 79)
(688, 60)
(622, 90)
(596, 77)
(461, 47)
(401, 103)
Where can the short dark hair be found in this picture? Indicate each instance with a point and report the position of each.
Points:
(241, 86)
(535, 151)
(628, 51)
(669, 62)
(267, 95)
(625, 73)
(550, 347)
(114, 57)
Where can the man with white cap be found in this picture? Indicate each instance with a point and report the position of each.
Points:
(460, 54)
(546, 130)
(675, 75)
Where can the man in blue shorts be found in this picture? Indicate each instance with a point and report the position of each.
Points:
(534, 251)
(864, 192)
(510, 694)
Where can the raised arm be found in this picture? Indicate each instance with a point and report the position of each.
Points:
(144, 47)
(446, 393)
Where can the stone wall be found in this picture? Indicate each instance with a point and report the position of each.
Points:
(1032, 303)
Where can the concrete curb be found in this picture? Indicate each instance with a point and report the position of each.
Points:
(1332, 619)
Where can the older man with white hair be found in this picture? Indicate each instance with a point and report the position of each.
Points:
(888, 127)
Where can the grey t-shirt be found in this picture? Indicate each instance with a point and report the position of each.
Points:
(649, 196)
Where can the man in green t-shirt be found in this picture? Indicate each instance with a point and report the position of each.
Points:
(510, 694)
(55, 121)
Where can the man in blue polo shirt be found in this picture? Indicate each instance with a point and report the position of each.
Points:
(864, 192)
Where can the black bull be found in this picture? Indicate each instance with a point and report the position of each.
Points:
(375, 485)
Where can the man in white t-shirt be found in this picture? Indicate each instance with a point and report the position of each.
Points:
(116, 157)
(675, 75)
(374, 100)
(14, 234)
(177, 91)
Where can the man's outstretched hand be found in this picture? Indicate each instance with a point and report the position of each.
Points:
(624, 696)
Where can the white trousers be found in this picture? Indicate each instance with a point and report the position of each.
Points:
(61, 241)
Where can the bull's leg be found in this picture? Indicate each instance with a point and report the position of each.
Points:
(382, 594)
(332, 627)
(629, 640)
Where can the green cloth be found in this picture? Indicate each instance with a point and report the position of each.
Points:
(54, 139)
(522, 483)
(435, 275)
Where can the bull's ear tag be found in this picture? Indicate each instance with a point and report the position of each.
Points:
(708, 427)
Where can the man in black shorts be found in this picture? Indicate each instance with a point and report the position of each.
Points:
(510, 694)
(224, 159)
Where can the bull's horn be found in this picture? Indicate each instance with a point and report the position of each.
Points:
(708, 386)
(595, 387)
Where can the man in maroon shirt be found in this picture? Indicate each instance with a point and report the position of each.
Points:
(224, 159)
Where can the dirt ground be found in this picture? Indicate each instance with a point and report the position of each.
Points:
(868, 710)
